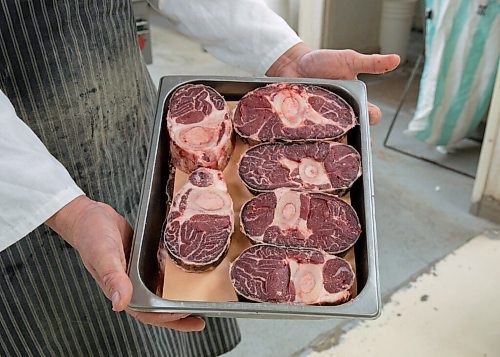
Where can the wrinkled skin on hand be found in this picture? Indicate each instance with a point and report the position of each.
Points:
(301, 61)
(103, 239)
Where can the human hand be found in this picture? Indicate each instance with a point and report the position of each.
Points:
(301, 61)
(103, 238)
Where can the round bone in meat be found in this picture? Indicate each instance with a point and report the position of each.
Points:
(322, 166)
(268, 273)
(200, 128)
(301, 220)
(200, 222)
(290, 112)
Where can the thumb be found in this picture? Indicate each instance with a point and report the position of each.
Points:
(120, 290)
(374, 64)
(106, 263)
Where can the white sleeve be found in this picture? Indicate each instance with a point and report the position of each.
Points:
(244, 33)
(33, 184)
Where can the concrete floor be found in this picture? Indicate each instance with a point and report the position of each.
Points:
(443, 313)
(422, 210)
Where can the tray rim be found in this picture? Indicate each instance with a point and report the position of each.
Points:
(367, 304)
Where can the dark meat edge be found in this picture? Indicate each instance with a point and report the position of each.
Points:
(161, 244)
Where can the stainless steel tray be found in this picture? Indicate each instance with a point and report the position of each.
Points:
(143, 268)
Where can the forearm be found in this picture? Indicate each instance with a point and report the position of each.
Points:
(244, 33)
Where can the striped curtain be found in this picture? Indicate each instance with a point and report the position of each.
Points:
(462, 53)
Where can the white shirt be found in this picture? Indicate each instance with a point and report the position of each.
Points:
(34, 185)
(244, 33)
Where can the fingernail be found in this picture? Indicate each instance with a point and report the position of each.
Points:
(203, 326)
(115, 300)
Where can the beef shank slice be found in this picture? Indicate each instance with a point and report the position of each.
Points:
(289, 112)
(200, 222)
(269, 273)
(300, 219)
(200, 128)
(322, 166)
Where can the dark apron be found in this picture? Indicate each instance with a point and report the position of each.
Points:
(74, 73)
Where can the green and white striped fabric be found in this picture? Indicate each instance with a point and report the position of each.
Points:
(462, 53)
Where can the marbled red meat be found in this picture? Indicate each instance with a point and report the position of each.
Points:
(322, 166)
(268, 273)
(200, 222)
(300, 219)
(289, 112)
(200, 128)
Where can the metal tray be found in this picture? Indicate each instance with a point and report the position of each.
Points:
(143, 268)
